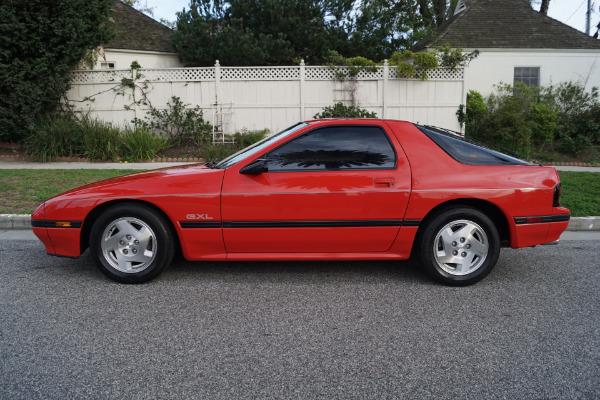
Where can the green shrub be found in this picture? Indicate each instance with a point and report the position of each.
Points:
(55, 135)
(141, 144)
(60, 135)
(242, 139)
(578, 118)
(414, 65)
(339, 110)
(245, 138)
(219, 151)
(180, 123)
(101, 140)
(528, 120)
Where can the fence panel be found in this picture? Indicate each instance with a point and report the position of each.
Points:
(267, 97)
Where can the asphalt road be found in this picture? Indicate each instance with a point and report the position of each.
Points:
(330, 330)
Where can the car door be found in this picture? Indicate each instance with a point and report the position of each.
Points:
(333, 189)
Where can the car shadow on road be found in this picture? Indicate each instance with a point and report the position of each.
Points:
(298, 271)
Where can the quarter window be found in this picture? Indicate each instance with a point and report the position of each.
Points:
(335, 148)
(528, 75)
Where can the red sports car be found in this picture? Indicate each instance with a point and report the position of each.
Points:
(339, 189)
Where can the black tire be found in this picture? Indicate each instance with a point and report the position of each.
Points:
(131, 243)
(458, 246)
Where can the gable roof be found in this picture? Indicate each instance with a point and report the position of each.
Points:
(506, 24)
(137, 31)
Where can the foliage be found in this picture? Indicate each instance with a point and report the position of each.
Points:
(217, 150)
(529, 120)
(101, 140)
(379, 27)
(345, 68)
(141, 144)
(579, 117)
(275, 32)
(270, 32)
(242, 139)
(180, 123)
(137, 4)
(454, 58)
(339, 110)
(55, 135)
(40, 43)
(245, 138)
(416, 65)
(474, 110)
(61, 135)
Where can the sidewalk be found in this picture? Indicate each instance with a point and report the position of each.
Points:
(12, 221)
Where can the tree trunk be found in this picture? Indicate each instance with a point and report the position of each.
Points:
(544, 7)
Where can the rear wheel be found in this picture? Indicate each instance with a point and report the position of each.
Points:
(131, 243)
(459, 246)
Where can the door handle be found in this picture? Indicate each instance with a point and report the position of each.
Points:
(383, 182)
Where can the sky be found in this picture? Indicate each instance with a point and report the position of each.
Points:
(570, 12)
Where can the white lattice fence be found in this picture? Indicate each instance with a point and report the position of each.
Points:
(271, 97)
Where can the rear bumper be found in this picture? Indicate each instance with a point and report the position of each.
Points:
(534, 230)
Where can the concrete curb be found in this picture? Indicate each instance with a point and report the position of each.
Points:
(23, 221)
(15, 221)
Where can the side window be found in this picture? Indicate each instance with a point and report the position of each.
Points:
(528, 75)
(335, 148)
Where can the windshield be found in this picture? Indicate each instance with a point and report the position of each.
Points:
(258, 146)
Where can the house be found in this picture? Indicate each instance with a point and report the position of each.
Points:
(517, 43)
(138, 37)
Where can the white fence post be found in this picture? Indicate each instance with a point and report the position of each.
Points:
(385, 88)
(217, 82)
(302, 88)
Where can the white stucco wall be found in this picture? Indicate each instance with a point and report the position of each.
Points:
(497, 65)
(147, 59)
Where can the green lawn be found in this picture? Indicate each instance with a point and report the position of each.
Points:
(581, 192)
(22, 190)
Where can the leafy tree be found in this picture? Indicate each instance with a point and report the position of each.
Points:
(277, 32)
(40, 42)
(267, 32)
(381, 27)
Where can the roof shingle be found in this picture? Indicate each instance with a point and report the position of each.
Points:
(137, 31)
(506, 24)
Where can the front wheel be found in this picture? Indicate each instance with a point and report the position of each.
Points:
(131, 243)
(459, 246)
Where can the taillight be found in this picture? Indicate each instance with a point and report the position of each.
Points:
(556, 198)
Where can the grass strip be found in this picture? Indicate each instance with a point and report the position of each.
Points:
(581, 192)
(23, 190)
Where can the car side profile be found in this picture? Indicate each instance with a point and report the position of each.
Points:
(334, 189)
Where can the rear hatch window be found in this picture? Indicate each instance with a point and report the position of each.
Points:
(465, 152)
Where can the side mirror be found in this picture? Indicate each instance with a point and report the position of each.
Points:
(257, 167)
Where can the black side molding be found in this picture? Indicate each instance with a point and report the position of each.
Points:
(542, 219)
(42, 223)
